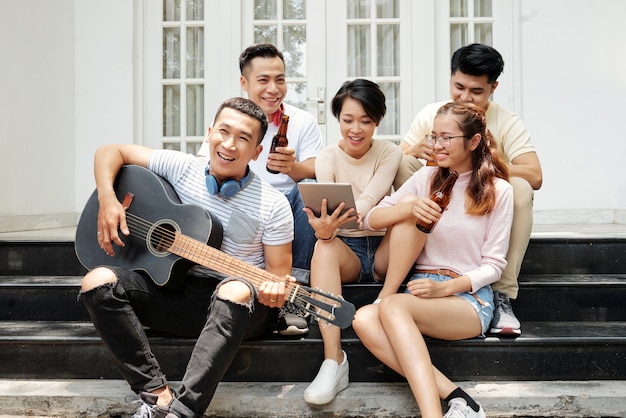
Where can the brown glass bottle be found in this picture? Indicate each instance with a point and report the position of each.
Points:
(440, 197)
(279, 140)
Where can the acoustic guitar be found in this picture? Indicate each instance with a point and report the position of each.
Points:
(167, 238)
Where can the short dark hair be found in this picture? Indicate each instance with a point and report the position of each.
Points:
(478, 60)
(364, 91)
(247, 107)
(256, 51)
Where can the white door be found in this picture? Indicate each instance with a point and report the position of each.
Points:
(327, 42)
(192, 49)
(297, 28)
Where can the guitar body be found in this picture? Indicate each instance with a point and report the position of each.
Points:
(157, 202)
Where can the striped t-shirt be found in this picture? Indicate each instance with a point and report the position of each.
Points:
(257, 215)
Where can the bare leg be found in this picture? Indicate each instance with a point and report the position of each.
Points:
(370, 330)
(333, 264)
(397, 253)
(393, 331)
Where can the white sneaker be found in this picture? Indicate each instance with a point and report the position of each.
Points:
(460, 409)
(330, 380)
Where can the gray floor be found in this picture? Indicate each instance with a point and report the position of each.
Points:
(107, 398)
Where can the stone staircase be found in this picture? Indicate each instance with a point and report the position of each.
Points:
(572, 306)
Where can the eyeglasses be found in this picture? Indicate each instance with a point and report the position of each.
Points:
(444, 141)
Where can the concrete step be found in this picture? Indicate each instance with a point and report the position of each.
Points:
(542, 298)
(569, 362)
(576, 249)
(575, 255)
(36, 257)
(544, 351)
(52, 298)
(112, 398)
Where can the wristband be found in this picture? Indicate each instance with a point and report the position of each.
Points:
(333, 235)
(325, 239)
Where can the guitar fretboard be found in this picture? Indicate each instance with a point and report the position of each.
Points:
(214, 259)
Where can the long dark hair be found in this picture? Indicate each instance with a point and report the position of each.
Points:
(486, 163)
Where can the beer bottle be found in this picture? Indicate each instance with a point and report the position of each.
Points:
(279, 140)
(440, 197)
(430, 163)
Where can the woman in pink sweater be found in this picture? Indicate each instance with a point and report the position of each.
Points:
(448, 295)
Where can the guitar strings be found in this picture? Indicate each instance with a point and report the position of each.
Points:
(163, 239)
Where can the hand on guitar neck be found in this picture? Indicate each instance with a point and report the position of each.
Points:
(273, 294)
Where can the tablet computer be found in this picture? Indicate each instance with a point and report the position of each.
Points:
(313, 193)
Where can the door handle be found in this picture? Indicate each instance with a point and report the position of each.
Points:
(320, 100)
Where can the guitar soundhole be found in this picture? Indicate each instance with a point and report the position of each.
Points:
(161, 237)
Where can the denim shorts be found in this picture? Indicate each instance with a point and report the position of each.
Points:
(485, 294)
(364, 248)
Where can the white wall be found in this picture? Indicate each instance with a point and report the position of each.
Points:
(574, 85)
(67, 71)
(73, 83)
(36, 111)
(104, 84)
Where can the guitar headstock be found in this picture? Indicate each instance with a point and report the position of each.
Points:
(324, 306)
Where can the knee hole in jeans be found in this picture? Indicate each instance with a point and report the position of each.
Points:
(96, 278)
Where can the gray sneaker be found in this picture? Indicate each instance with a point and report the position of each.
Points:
(504, 321)
(292, 320)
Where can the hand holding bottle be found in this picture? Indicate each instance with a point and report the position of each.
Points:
(282, 160)
(440, 197)
(275, 163)
(426, 210)
(423, 150)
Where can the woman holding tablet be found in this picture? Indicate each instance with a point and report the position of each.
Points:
(347, 255)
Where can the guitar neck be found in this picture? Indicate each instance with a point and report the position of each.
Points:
(219, 261)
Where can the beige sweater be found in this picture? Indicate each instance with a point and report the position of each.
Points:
(371, 176)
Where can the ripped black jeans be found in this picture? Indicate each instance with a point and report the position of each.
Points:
(119, 312)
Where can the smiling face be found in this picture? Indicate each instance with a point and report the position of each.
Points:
(465, 88)
(357, 129)
(264, 81)
(234, 141)
(458, 156)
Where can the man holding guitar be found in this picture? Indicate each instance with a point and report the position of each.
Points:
(257, 232)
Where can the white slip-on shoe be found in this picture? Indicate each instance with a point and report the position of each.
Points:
(330, 380)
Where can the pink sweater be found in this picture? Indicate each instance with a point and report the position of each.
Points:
(472, 245)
